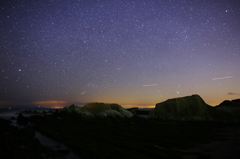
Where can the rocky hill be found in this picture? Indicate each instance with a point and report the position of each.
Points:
(232, 103)
(99, 110)
(183, 108)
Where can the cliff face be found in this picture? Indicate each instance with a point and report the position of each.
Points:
(183, 108)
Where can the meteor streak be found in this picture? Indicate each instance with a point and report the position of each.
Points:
(222, 78)
(150, 85)
(83, 92)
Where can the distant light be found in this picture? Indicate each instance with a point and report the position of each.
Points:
(19, 70)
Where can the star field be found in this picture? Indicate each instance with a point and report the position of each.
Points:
(135, 53)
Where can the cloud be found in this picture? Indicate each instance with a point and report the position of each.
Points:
(235, 94)
(149, 85)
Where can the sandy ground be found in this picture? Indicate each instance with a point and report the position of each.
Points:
(225, 146)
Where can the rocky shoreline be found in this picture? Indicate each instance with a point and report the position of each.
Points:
(184, 128)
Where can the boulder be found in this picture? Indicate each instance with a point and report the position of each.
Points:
(183, 108)
(127, 114)
(96, 108)
(85, 113)
(71, 108)
(106, 110)
(110, 113)
(120, 109)
(116, 107)
(22, 120)
(78, 110)
(99, 109)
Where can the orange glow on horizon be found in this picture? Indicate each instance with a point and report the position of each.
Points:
(49, 102)
(6, 103)
(139, 106)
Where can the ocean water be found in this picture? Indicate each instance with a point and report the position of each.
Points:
(6, 113)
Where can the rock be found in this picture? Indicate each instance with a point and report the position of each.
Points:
(21, 119)
(228, 103)
(117, 107)
(107, 110)
(71, 108)
(13, 118)
(85, 113)
(120, 109)
(227, 111)
(133, 111)
(183, 108)
(99, 109)
(96, 108)
(110, 113)
(78, 110)
(127, 114)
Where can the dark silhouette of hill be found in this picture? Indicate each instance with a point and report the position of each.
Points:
(192, 108)
(232, 103)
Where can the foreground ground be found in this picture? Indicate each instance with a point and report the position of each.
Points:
(139, 138)
(226, 144)
(20, 143)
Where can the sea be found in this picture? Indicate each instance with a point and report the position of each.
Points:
(8, 113)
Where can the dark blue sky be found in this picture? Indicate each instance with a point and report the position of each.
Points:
(135, 53)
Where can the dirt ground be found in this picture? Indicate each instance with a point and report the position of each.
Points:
(226, 145)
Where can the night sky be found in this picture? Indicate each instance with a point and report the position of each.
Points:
(135, 53)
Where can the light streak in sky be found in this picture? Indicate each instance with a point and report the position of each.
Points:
(149, 85)
(222, 78)
(83, 92)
